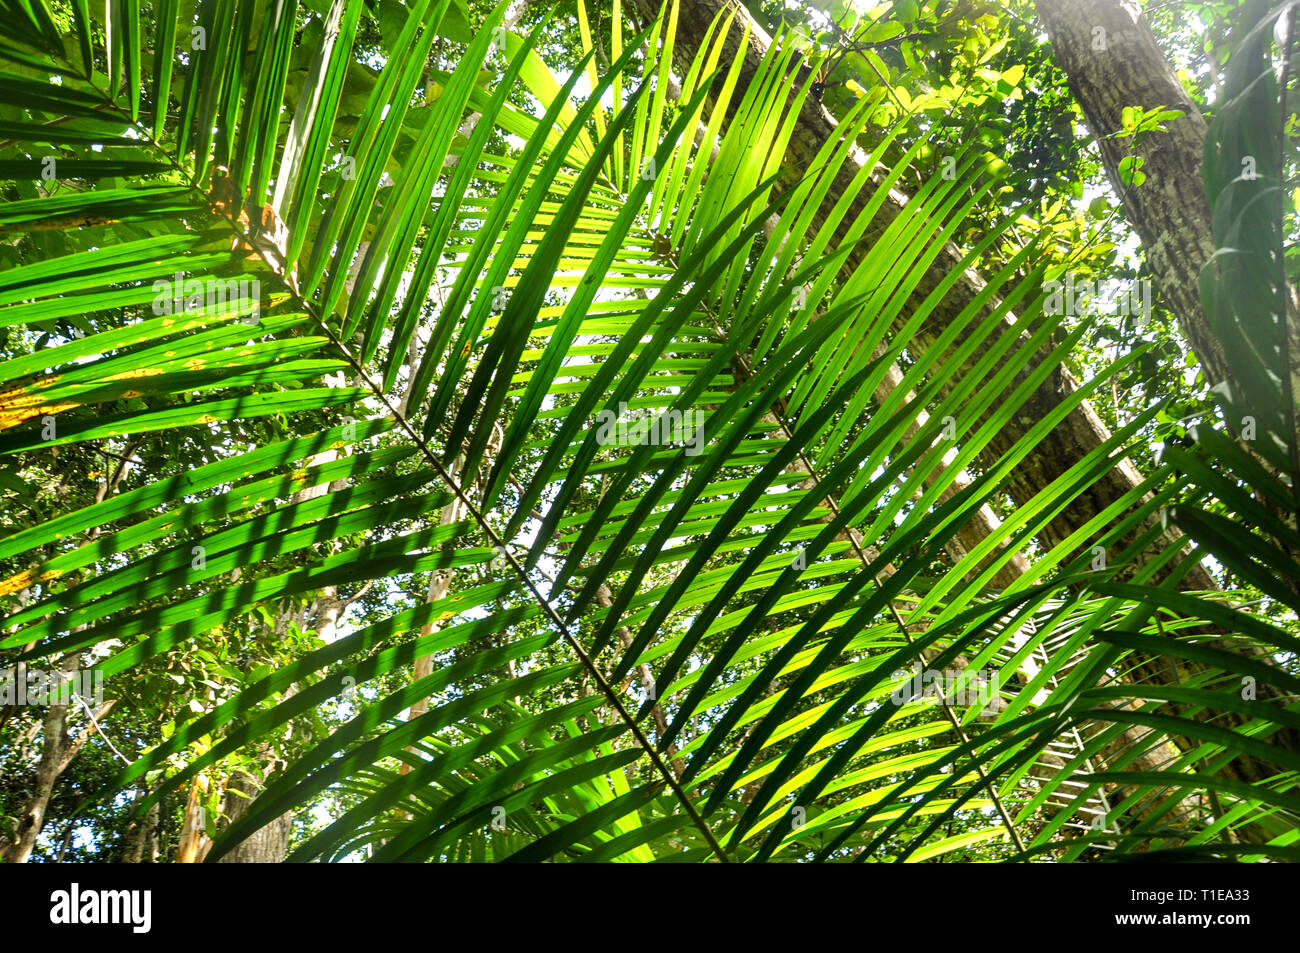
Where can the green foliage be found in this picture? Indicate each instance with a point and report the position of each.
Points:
(646, 654)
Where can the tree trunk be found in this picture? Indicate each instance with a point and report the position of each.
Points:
(141, 837)
(194, 842)
(266, 845)
(54, 744)
(1109, 55)
(58, 749)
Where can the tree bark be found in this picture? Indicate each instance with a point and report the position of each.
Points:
(1111, 60)
(141, 837)
(1110, 57)
(58, 749)
(194, 842)
(268, 844)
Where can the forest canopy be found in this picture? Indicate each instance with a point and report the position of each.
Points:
(649, 430)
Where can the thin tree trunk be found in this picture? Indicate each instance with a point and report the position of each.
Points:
(194, 842)
(58, 749)
(605, 599)
(53, 759)
(141, 842)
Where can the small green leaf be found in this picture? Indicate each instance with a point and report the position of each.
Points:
(1130, 172)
